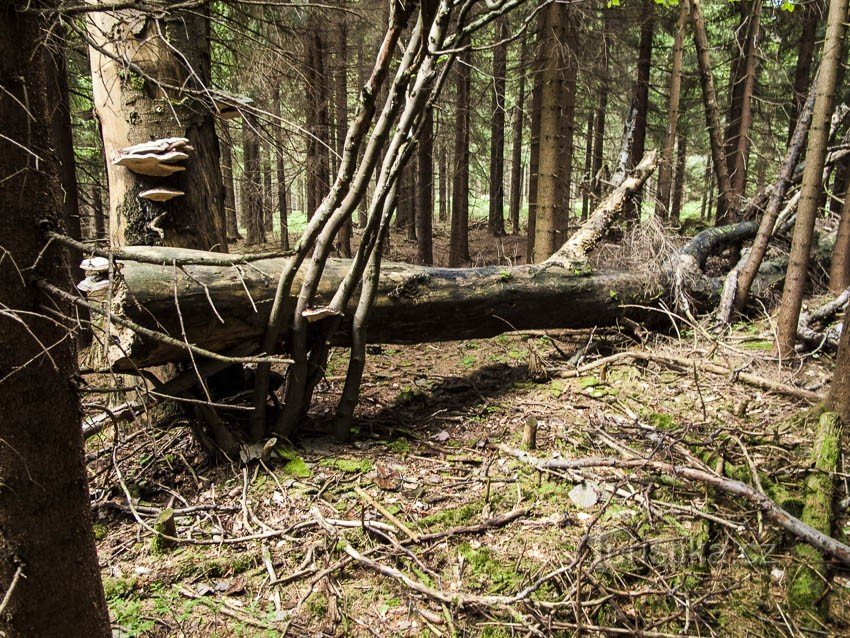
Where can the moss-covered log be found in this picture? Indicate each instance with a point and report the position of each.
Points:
(807, 585)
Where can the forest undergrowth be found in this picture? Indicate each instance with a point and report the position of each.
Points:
(430, 524)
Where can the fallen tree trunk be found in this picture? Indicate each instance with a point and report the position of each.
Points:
(218, 305)
(221, 307)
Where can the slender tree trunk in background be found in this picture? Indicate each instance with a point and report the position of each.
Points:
(231, 225)
(410, 196)
(129, 108)
(444, 168)
(496, 213)
(459, 240)
(679, 179)
(516, 142)
(47, 546)
(97, 209)
(601, 111)
(252, 189)
(318, 158)
(739, 121)
(280, 171)
(551, 214)
(425, 191)
(644, 66)
(567, 123)
(839, 267)
(267, 213)
(725, 199)
(801, 242)
(805, 56)
(663, 208)
(588, 162)
(343, 240)
(534, 139)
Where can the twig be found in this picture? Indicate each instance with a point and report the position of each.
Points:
(392, 518)
(817, 539)
(706, 366)
(19, 572)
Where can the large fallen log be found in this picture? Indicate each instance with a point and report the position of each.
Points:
(217, 305)
(221, 307)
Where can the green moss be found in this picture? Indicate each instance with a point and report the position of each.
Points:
(758, 344)
(100, 531)
(348, 466)
(296, 468)
(661, 421)
(453, 517)
(807, 585)
(488, 572)
(400, 446)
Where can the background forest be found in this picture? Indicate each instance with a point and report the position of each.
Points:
(433, 318)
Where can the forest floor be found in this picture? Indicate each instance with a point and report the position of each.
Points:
(427, 523)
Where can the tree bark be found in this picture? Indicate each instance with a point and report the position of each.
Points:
(343, 240)
(160, 95)
(425, 191)
(551, 210)
(641, 93)
(796, 278)
(601, 111)
(97, 210)
(318, 159)
(252, 189)
(49, 572)
(496, 213)
(534, 151)
(663, 207)
(725, 200)
(739, 121)
(805, 56)
(231, 223)
(838, 399)
(517, 117)
(444, 190)
(459, 239)
(280, 169)
(839, 267)
(679, 179)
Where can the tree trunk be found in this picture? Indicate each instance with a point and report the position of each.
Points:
(679, 180)
(280, 166)
(49, 572)
(796, 277)
(838, 399)
(551, 213)
(160, 95)
(444, 190)
(459, 240)
(517, 117)
(318, 159)
(536, 114)
(97, 210)
(588, 162)
(231, 225)
(267, 211)
(425, 191)
(725, 200)
(740, 108)
(839, 267)
(252, 190)
(663, 207)
(805, 56)
(343, 240)
(644, 66)
(496, 216)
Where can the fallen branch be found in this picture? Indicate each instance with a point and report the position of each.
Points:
(689, 364)
(817, 539)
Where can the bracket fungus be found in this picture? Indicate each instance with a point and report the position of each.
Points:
(157, 158)
(160, 194)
